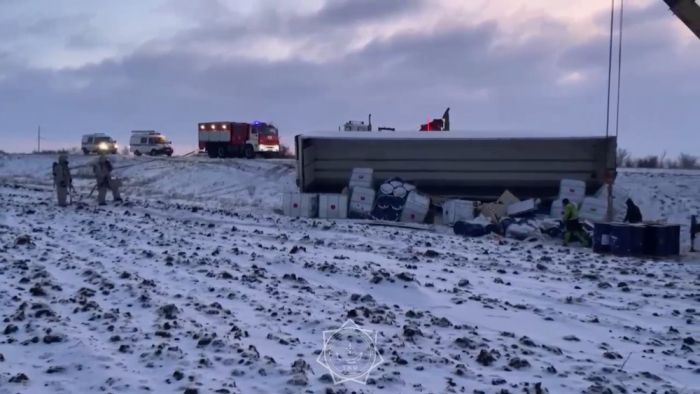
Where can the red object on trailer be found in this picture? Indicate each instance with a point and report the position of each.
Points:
(235, 139)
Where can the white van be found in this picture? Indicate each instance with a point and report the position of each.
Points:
(98, 143)
(149, 142)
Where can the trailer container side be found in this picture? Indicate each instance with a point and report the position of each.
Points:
(466, 167)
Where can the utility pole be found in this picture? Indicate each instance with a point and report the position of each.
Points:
(38, 139)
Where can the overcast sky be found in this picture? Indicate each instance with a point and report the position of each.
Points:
(540, 66)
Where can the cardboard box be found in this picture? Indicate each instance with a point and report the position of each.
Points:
(333, 206)
(493, 211)
(454, 211)
(300, 204)
(416, 208)
(507, 198)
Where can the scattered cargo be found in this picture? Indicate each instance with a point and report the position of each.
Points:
(361, 202)
(454, 211)
(362, 177)
(593, 209)
(333, 206)
(522, 208)
(572, 189)
(300, 204)
(416, 208)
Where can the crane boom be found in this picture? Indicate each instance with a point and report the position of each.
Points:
(688, 11)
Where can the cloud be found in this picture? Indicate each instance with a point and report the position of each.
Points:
(309, 71)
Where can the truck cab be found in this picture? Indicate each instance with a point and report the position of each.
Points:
(149, 142)
(98, 143)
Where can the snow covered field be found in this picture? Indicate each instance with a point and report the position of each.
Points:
(197, 285)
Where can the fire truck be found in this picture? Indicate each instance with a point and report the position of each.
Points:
(234, 139)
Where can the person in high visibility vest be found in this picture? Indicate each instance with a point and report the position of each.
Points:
(572, 224)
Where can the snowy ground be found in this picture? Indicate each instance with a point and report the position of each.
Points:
(197, 285)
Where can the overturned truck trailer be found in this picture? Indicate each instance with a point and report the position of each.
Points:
(448, 165)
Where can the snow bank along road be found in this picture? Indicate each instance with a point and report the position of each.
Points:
(195, 285)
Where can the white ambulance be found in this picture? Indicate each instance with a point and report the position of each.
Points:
(149, 142)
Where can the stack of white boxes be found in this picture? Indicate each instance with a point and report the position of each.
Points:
(454, 211)
(557, 210)
(362, 177)
(300, 204)
(593, 209)
(333, 206)
(361, 201)
(416, 208)
(573, 190)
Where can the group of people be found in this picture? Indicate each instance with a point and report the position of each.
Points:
(101, 169)
(573, 226)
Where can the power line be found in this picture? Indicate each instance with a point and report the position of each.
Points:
(619, 68)
(607, 110)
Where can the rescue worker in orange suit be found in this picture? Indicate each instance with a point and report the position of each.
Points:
(572, 224)
(103, 175)
(634, 214)
(62, 180)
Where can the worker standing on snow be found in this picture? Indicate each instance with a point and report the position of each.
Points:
(103, 175)
(573, 226)
(634, 214)
(62, 179)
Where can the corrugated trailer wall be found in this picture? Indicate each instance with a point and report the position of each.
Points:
(457, 166)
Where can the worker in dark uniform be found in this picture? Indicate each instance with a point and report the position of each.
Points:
(62, 180)
(634, 214)
(572, 224)
(103, 175)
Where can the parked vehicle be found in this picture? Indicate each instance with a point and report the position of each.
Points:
(233, 139)
(149, 142)
(98, 143)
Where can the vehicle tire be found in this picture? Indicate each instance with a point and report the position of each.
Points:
(249, 152)
(170, 154)
(211, 152)
(221, 152)
(137, 153)
(153, 152)
(86, 152)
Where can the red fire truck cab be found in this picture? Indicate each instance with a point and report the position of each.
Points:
(233, 139)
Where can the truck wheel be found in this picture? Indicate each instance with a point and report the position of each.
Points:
(153, 152)
(137, 153)
(211, 152)
(86, 152)
(221, 152)
(249, 152)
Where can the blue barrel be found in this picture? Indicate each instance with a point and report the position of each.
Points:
(662, 240)
(601, 237)
(673, 233)
(626, 239)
